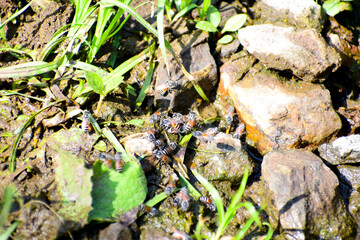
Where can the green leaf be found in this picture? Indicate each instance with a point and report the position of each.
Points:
(101, 146)
(136, 122)
(95, 82)
(333, 7)
(115, 193)
(226, 39)
(184, 11)
(112, 84)
(213, 16)
(206, 26)
(234, 23)
(74, 183)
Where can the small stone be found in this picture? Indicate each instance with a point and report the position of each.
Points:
(343, 150)
(115, 231)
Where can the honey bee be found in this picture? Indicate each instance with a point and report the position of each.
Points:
(165, 124)
(209, 203)
(182, 199)
(151, 133)
(212, 131)
(191, 115)
(188, 126)
(230, 115)
(175, 125)
(163, 89)
(85, 125)
(159, 143)
(239, 131)
(156, 117)
(119, 162)
(106, 160)
(179, 234)
(147, 209)
(170, 188)
(165, 151)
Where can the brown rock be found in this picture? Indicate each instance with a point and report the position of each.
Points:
(302, 196)
(279, 113)
(304, 52)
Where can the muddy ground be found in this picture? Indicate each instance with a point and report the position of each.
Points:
(35, 171)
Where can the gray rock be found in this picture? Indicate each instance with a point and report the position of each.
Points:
(304, 52)
(222, 159)
(279, 113)
(154, 233)
(194, 53)
(115, 231)
(342, 150)
(350, 175)
(300, 14)
(302, 197)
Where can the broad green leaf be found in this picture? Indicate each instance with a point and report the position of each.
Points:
(101, 146)
(333, 7)
(213, 16)
(95, 82)
(115, 193)
(185, 139)
(225, 39)
(206, 26)
(74, 184)
(234, 23)
(112, 84)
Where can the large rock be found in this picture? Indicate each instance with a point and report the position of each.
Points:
(279, 113)
(304, 52)
(342, 150)
(223, 159)
(195, 55)
(300, 14)
(303, 198)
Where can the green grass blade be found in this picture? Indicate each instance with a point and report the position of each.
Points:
(20, 52)
(156, 199)
(21, 132)
(168, 9)
(6, 235)
(205, 7)
(192, 190)
(160, 27)
(6, 202)
(241, 190)
(254, 218)
(55, 40)
(270, 231)
(214, 194)
(140, 98)
(184, 11)
(15, 15)
(115, 142)
(143, 22)
(29, 69)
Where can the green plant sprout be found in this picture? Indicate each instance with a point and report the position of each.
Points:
(333, 7)
(226, 217)
(8, 195)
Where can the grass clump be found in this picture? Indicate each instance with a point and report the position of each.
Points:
(226, 216)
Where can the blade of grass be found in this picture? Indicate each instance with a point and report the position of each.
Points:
(250, 221)
(115, 142)
(15, 15)
(192, 190)
(205, 7)
(20, 52)
(270, 231)
(214, 194)
(143, 22)
(156, 199)
(140, 98)
(29, 69)
(160, 28)
(21, 132)
(184, 11)
(6, 235)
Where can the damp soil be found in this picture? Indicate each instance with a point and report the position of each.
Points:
(35, 171)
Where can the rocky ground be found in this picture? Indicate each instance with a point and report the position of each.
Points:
(293, 76)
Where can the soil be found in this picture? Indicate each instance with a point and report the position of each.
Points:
(34, 179)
